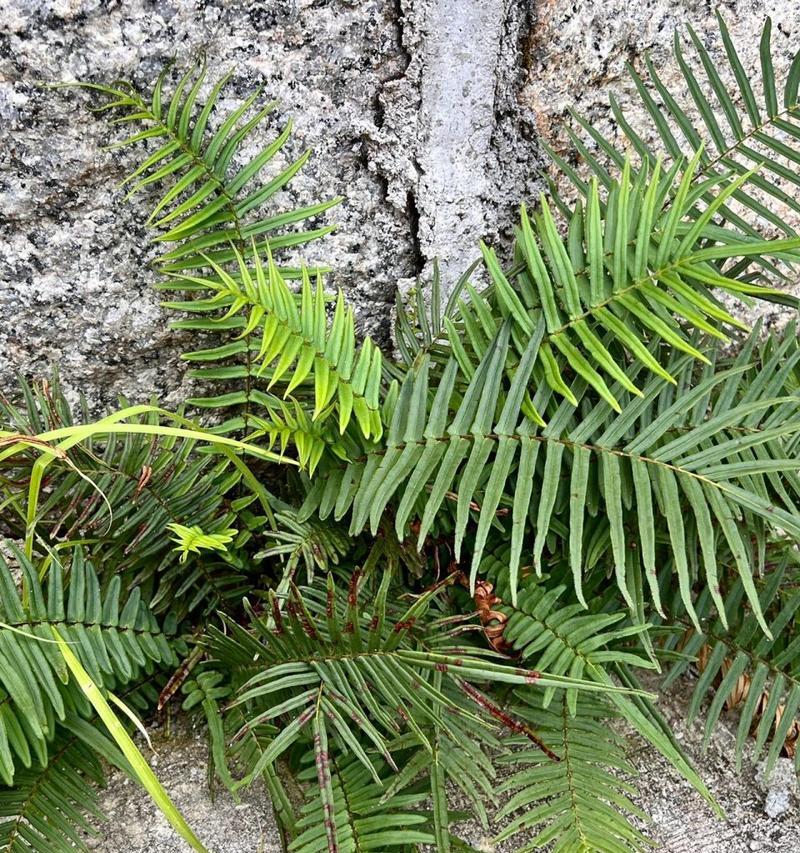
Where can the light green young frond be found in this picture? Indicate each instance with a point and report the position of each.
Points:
(192, 540)
(292, 346)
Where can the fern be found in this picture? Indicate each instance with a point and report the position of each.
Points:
(294, 341)
(204, 212)
(341, 673)
(115, 640)
(47, 807)
(369, 820)
(638, 267)
(754, 673)
(577, 804)
(564, 478)
(759, 144)
(696, 454)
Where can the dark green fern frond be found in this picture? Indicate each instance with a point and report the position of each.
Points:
(365, 817)
(740, 667)
(354, 678)
(673, 469)
(116, 494)
(116, 640)
(422, 314)
(47, 810)
(581, 803)
(593, 646)
(317, 546)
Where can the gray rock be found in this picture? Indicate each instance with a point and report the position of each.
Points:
(780, 786)
(76, 287)
(224, 825)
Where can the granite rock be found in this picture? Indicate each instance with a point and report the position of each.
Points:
(357, 78)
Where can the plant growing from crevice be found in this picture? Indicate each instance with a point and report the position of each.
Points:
(383, 579)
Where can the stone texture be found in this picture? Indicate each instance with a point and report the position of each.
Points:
(76, 290)
(779, 786)
(135, 825)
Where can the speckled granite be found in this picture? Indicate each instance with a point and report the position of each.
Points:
(76, 288)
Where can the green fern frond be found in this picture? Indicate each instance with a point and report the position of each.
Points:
(354, 674)
(205, 208)
(421, 316)
(364, 816)
(47, 809)
(640, 266)
(296, 344)
(673, 469)
(758, 675)
(212, 207)
(704, 115)
(115, 640)
(581, 803)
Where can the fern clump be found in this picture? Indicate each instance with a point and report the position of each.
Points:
(382, 579)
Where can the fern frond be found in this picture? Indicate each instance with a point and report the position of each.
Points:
(296, 344)
(421, 316)
(318, 547)
(743, 669)
(704, 115)
(364, 816)
(673, 469)
(46, 810)
(580, 803)
(592, 646)
(640, 266)
(115, 640)
(354, 674)
(212, 208)
(205, 208)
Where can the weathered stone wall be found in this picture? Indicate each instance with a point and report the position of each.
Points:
(424, 114)
(411, 110)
